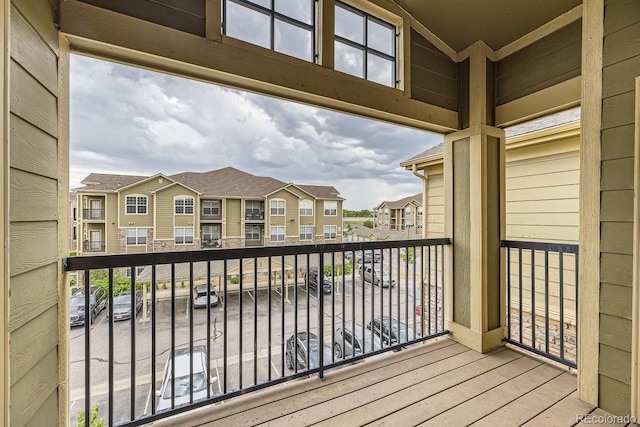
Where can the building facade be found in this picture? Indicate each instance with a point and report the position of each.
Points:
(400, 215)
(222, 208)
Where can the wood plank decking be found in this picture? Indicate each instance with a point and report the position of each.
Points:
(437, 384)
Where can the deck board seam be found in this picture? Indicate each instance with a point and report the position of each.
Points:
(551, 406)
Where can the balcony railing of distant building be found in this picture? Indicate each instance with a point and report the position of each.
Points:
(93, 246)
(542, 299)
(209, 214)
(211, 243)
(93, 214)
(400, 306)
(253, 214)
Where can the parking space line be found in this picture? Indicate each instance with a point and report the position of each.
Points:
(219, 379)
(275, 369)
(146, 406)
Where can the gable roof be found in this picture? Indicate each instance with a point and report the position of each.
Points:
(229, 182)
(108, 182)
(322, 191)
(401, 203)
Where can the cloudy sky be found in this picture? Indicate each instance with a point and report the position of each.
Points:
(130, 121)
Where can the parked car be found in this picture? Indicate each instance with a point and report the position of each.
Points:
(312, 282)
(97, 303)
(296, 349)
(182, 379)
(200, 297)
(376, 275)
(353, 344)
(371, 256)
(391, 330)
(122, 306)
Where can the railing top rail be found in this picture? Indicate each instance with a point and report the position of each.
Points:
(178, 257)
(540, 246)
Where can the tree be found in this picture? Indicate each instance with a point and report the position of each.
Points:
(407, 255)
(94, 421)
(338, 270)
(368, 223)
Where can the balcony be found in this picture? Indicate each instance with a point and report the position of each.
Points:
(211, 215)
(93, 214)
(93, 246)
(254, 242)
(400, 368)
(253, 215)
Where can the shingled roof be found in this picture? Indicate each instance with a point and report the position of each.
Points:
(225, 182)
(401, 203)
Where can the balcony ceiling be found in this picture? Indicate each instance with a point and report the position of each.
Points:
(460, 23)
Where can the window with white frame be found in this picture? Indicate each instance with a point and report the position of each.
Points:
(139, 270)
(419, 211)
(306, 232)
(306, 208)
(211, 207)
(277, 207)
(365, 46)
(136, 236)
(330, 232)
(419, 225)
(386, 211)
(330, 208)
(407, 212)
(277, 234)
(210, 233)
(286, 26)
(252, 232)
(183, 205)
(136, 205)
(184, 235)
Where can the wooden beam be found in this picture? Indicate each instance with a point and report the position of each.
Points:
(108, 35)
(213, 19)
(326, 31)
(635, 314)
(589, 290)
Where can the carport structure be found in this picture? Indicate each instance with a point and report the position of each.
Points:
(465, 69)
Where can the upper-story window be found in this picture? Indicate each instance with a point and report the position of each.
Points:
(407, 212)
(286, 26)
(211, 207)
(306, 208)
(386, 211)
(183, 205)
(136, 204)
(330, 208)
(365, 46)
(277, 207)
(419, 211)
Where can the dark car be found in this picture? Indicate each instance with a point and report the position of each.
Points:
(200, 297)
(97, 303)
(312, 282)
(300, 351)
(368, 256)
(391, 330)
(122, 306)
(349, 341)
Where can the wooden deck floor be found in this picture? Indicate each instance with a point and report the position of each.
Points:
(438, 384)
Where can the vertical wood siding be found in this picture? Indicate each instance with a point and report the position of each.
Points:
(621, 64)
(34, 231)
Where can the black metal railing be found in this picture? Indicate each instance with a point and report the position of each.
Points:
(253, 214)
(93, 246)
(93, 214)
(542, 299)
(273, 316)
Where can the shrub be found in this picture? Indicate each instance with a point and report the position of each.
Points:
(235, 280)
(338, 270)
(94, 421)
(368, 223)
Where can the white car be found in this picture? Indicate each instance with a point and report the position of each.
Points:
(182, 380)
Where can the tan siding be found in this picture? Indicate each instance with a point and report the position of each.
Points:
(35, 295)
(111, 217)
(25, 238)
(43, 416)
(322, 220)
(433, 216)
(614, 396)
(33, 150)
(291, 212)
(33, 197)
(615, 364)
(143, 189)
(614, 332)
(233, 216)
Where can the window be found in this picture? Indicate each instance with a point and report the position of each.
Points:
(419, 211)
(211, 207)
(136, 205)
(306, 233)
(330, 208)
(184, 235)
(75, 233)
(139, 270)
(74, 214)
(252, 232)
(365, 46)
(330, 232)
(136, 236)
(210, 233)
(277, 207)
(306, 208)
(277, 234)
(407, 212)
(386, 211)
(286, 26)
(184, 206)
(419, 224)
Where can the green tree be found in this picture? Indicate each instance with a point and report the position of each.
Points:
(368, 223)
(94, 421)
(120, 283)
(338, 270)
(407, 255)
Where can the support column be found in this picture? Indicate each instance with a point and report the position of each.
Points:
(475, 214)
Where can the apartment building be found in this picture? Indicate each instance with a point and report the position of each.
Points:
(402, 214)
(192, 210)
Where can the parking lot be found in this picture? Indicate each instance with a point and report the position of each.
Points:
(242, 329)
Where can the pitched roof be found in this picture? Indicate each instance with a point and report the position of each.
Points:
(401, 203)
(108, 182)
(322, 191)
(229, 182)
(435, 150)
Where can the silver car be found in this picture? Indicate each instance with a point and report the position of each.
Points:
(349, 341)
(200, 297)
(376, 275)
